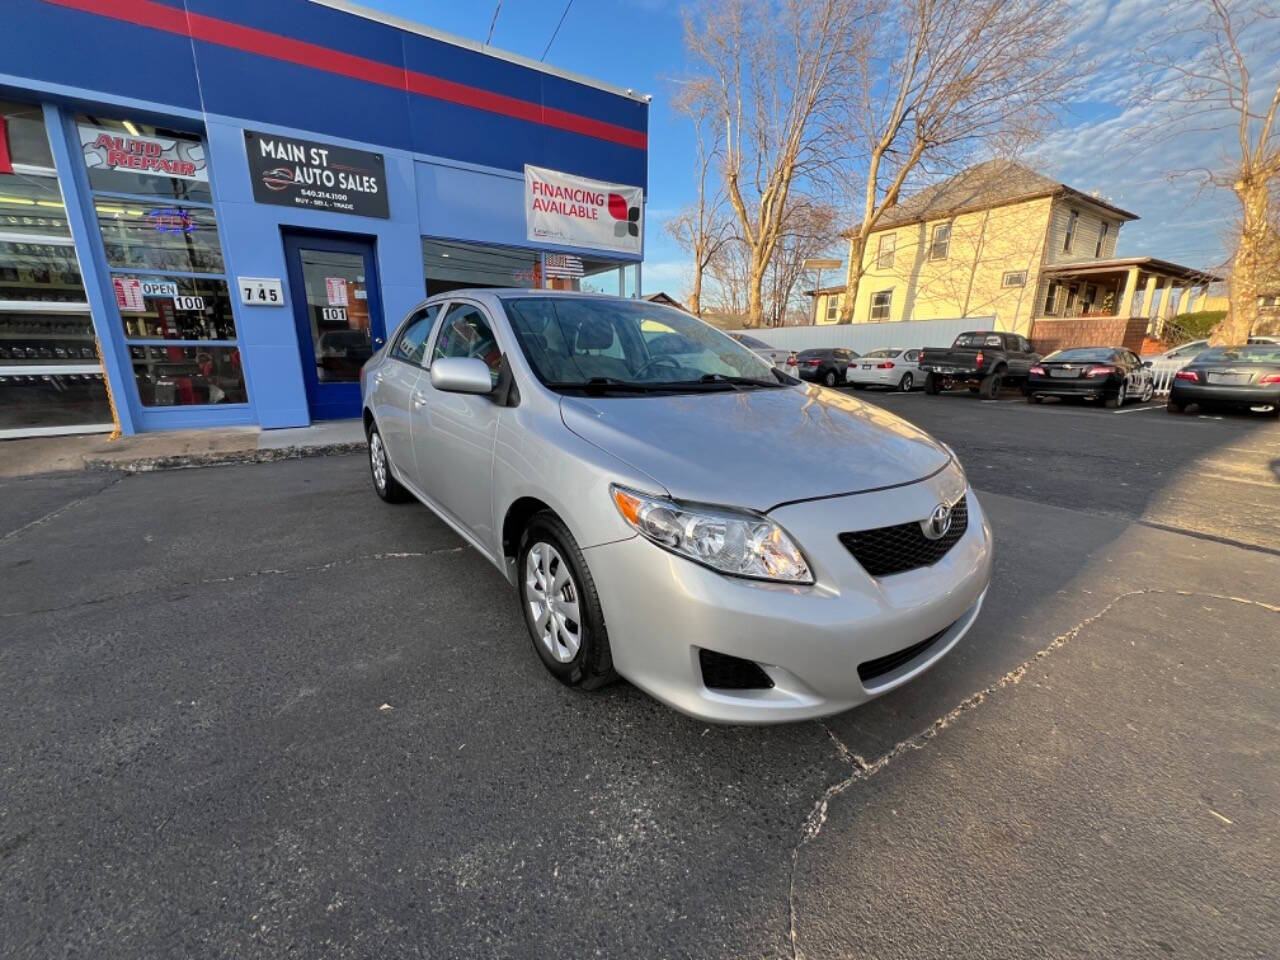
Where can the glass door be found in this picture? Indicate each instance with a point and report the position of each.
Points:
(333, 283)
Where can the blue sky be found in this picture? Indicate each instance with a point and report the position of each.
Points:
(638, 44)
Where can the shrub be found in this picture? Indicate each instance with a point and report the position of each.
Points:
(1193, 326)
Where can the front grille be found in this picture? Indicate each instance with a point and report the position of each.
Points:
(892, 661)
(723, 672)
(904, 546)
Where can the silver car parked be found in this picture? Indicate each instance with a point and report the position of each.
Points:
(670, 508)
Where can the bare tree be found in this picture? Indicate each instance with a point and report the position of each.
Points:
(702, 228)
(1207, 74)
(809, 231)
(772, 71)
(948, 79)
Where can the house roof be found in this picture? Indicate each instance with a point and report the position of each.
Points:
(994, 183)
(665, 298)
(1165, 268)
(838, 288)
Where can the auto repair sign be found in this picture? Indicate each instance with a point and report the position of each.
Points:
(318, 176)
(577, 212)
(106, 149)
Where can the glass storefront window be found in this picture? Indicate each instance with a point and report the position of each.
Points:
(143, 236)
(135, 158)
(33, 402)
(34, 339)
(179, 308)
(36, 271)
(32, 204)
(25, 134)
(452, 265)
(169, 376)
(339, 322)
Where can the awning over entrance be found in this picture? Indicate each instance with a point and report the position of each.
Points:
(1123, 287)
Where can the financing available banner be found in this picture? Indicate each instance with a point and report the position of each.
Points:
(577, 212)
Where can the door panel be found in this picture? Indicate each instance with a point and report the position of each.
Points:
(394, 386)
(337, 308)
(454, 433)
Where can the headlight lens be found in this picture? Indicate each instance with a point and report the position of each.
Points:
(742, 544)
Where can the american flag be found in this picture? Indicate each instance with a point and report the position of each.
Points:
(563, 265)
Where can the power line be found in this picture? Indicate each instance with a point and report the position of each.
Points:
(556, 32)
(493, 22)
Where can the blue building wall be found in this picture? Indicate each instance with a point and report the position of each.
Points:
(455, 127)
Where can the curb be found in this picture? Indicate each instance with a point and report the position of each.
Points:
(186, 461)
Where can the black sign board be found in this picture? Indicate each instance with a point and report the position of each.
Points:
(316, 176)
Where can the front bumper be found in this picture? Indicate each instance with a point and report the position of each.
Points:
(1186, 392)
(661, 609)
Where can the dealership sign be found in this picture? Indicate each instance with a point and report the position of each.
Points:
(318, 176)
(577, 212)
(156, 156)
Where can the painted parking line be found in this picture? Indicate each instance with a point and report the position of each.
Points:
(1139, 409)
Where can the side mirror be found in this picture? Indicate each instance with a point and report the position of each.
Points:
(461, 375)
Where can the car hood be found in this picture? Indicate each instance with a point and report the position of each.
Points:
(757, 448)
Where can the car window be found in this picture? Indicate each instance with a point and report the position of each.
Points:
(911, 356)
(466, 332)
(412, 341)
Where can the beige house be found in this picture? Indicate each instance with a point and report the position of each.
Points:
(999, 239)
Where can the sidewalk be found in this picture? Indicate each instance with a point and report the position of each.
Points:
(173, 449)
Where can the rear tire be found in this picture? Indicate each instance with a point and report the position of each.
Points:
(1118, 400)
(829, 379)
(385, 485)
(906, 383)
(561, 607)
(931, 384)
(989, 389)
(1174, 407)
(1034, 398)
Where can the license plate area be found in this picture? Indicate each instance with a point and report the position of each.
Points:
(1063, 373)
(1228, 378)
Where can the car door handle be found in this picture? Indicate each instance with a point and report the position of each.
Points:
(419, 398)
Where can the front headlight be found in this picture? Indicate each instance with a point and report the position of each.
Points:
(742, 544)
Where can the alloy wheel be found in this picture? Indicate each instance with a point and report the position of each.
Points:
(378, 460)
(906, 384)
(552, 598)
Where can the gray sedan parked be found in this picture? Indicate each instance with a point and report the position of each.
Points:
(618, 461)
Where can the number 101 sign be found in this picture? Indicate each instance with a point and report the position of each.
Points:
(260, 291)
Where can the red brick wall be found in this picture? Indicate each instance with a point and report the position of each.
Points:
(1049, 335)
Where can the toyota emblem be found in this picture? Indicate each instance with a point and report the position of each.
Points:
(939, 522)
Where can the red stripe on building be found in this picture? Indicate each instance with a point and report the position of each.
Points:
(158, 16)
(6, 164)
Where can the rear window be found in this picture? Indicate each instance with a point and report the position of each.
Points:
(1257, 354)
(880, 353)
(1085, 354)
(805, 354)
(978, 340)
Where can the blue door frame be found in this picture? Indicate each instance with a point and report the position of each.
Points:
(329, 400)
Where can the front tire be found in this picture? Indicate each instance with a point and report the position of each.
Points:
(1148, 392)
(561, 607)
(906, 383)
(385, 485)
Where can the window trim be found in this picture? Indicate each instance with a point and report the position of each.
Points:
(1102, 239)
(888, 306)
(946, 243)
(1069, 237)
(891, 252)
(833, 307)
(1004, 280)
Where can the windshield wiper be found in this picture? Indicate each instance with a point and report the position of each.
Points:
(738, 381)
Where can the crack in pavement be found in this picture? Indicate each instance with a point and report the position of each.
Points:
(233, 578)
(54, 514)
(861, 770)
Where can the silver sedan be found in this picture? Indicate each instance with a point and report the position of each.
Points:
(895, 367)
(615, 460)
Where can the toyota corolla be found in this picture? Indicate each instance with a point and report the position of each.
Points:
(672, 509)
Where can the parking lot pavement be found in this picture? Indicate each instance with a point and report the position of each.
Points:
(1215, 476)
(251, 710)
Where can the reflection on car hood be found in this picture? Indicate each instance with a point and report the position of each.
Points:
(757, 448)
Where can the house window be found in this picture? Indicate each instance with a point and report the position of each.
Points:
(1102, 239)
(1069, 240)
(941, 241)
(833, 307)
(1051, 300)
(1015, 278)
(880, 304)
(884, 259)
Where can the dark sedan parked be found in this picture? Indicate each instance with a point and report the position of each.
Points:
(1111, 374)
(826, 366)
(1229, 377)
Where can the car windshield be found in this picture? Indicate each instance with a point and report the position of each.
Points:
(1256, 354)
(1085, 354)
(880, 353)
(629, 345)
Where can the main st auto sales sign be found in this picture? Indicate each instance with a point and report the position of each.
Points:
(316, 176)
(577, 212)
